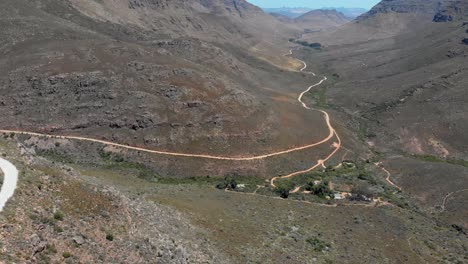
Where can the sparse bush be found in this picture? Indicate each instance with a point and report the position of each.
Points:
(119, 158)
(228, 183)
(362, 190)
(314, 45)
(48, 221)
(283, 188)
(58, 216)
(321, 190)
(58, 229)
(66, 254)
(105, 154)
(317, 244)
(110, 237)
(458, 228)
(51, 249)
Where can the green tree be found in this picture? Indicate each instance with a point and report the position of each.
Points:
(228, 183)
(321, 190)
(283, 188)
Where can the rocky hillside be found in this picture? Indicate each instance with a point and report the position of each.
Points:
(144, 20)
(58, 217)
(322, 19)
(406, 91)
(452, 10)
(315, 20)
(391, 18)
(209, 77)
(171, 75)
(445, 10)
(419, 7)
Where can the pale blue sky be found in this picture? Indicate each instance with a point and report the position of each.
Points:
(315, 3)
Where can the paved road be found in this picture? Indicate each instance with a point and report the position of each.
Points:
(10, 179)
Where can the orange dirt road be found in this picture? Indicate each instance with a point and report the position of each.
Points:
(336, 145)
(332, 133)
(204, 156)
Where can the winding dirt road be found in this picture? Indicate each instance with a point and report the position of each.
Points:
(10, 179)
(379, 164)
(444, 202)
(204, 156)
(108, 143)
(336, 145)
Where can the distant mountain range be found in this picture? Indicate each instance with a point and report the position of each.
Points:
(294, 12)
(315, 20)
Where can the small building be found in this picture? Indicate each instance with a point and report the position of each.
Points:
(338, 196)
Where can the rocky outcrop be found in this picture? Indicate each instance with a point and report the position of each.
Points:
(441, 17)
(322, 13)
(421, 7)
(438, 11)
(69, 220)
(451, 10)
(317, 20)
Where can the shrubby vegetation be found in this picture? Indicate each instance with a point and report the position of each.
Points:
(283, 187)
(321, 190)
(109, 237)
(314, 45)
(58, 216)
(55, 156)
(228, 183)
(318, 245)
(435, 159)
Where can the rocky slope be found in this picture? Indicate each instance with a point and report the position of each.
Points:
(177, 76)
(321, 19)
(451, 10)
(58, 217)
(406, 91)
(423, 8)
(204, 77)
(315, 20)
(387, 19)
(144, 20)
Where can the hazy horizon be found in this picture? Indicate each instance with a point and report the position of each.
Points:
(367, 4)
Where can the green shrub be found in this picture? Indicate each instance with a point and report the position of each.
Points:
(321, 190)
(283, 188)
(317, 244)
(66, 254)
(314, 45)
(228, 183)
(51, 249)
(58, 216)
(110, 237)
(58, 229)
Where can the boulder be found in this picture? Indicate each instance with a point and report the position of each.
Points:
(439, 17)
(79, 240)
